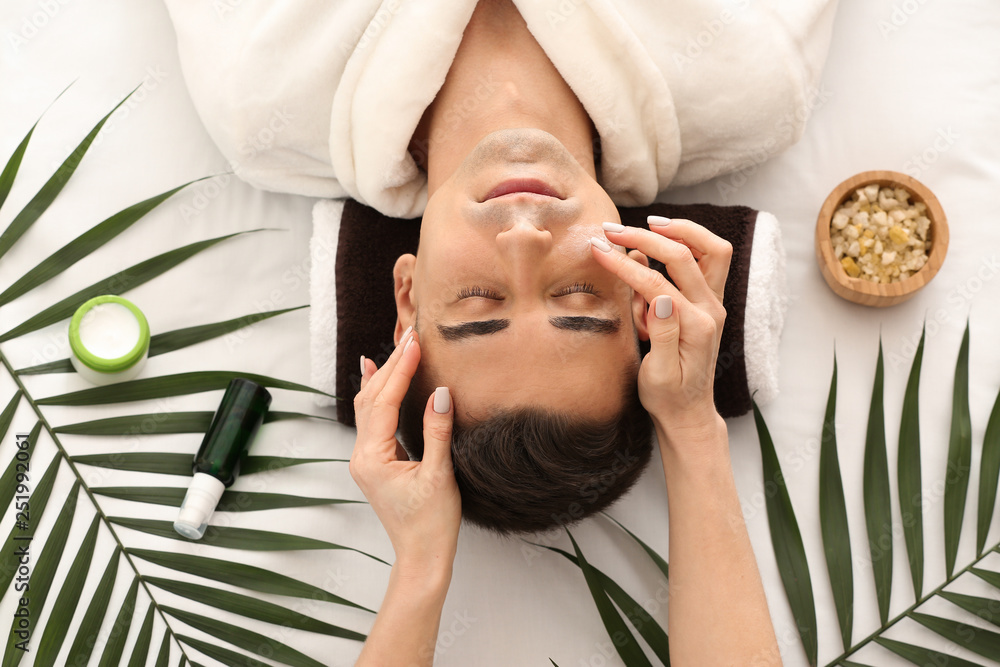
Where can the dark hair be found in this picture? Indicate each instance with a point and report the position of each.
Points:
(528, 470)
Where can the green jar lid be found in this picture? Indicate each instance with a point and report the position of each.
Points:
(102, 364)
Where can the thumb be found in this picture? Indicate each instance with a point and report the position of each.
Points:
(664, 335)
(438, 420)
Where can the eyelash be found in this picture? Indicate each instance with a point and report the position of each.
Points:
(482, 292)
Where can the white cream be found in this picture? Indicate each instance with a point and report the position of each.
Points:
(109, 330)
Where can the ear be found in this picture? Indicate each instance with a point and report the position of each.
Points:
(402, 278)
(639, 305)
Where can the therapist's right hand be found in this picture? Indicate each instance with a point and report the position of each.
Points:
(418, 502)
(684, 320)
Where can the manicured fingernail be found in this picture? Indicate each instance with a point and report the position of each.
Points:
(362, 365)
(612, 227)
(658, 220)
(402, 339)
(663, 306)
(600, 244)
(442, 400)
(409, 342)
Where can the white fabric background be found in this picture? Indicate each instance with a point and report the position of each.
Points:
(886, 99)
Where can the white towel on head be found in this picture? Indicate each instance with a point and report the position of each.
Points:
(322, 99)
(323, 299)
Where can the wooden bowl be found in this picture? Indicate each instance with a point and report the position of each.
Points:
(864, 291)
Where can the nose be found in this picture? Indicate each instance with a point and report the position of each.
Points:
(523, 245)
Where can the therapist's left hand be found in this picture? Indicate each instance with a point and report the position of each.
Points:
(417, 502)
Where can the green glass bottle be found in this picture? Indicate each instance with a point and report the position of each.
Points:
(217, 463)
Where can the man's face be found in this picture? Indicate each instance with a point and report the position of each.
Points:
(510, 306)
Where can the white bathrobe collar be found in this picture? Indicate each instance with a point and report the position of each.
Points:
(397, 69)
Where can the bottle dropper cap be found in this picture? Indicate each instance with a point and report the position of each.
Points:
(199, 504)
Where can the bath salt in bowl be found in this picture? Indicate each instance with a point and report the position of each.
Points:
(880, 237)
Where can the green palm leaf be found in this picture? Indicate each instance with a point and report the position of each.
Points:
(163, 423)
(878, 502)
(789, 550)
(41, 575)
(239, 574)
(833, 518)
(923, 656)
(252, 608)
(86, 634)
(169, 341)
(231, 501)
(644, 624)
(69, 595)
(627, 648)
(9, 479)
(984, 642)
(167, 463)
(116, 641)
(55, 619)
(142, 642)
(243, 638)
(989, 470)
(655, 557)
(47, 194)
(224, 655)
(83, 245)
(908, 472)
(118, 283)
(956, 481)
(19, 537)
(180, 384)
(228, 537)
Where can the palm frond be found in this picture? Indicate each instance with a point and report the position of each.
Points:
(57, 605)
(956, 481)
(878, 501)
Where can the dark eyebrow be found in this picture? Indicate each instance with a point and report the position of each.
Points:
(467, 329)
(569, 323)
(588, 324)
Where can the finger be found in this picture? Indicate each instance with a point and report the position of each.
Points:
(438, 420)
(644, 280)
(663, 323)
(381, 376)
(677, 257)
(714, 253)
(385, 405)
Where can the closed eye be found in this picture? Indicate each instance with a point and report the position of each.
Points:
(577, 288)
(482, 292)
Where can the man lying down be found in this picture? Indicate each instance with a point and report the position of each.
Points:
(514, 129)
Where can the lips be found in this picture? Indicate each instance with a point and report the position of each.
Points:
(522, 185)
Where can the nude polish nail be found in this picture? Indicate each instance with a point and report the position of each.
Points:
(663, 306)
(362, 365)
(442, 400)
(658, 220)
(402, 339)
(600, 244)
(612, 227)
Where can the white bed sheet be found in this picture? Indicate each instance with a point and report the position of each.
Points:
(910, 85)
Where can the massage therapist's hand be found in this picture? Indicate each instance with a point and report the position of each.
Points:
(684, 319)
(417, 502)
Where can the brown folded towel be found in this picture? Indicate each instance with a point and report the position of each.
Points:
(370, 242)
